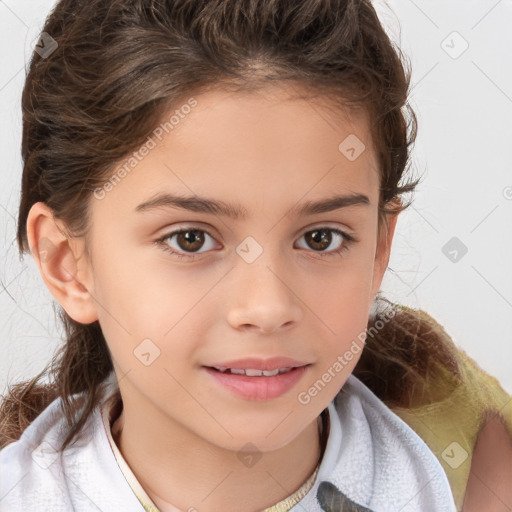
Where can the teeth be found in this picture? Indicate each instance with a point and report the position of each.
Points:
(252, 372)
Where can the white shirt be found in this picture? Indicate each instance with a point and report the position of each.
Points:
(372, 456)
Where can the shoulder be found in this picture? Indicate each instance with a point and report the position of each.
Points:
(470, 432)
(489, 484)
(33, 462)
(36, 475)
(459, 410)
(381, 461)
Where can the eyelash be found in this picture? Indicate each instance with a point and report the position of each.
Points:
(349, 240)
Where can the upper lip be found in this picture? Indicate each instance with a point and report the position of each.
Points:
(255, 363)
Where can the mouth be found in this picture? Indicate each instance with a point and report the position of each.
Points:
(255, 384)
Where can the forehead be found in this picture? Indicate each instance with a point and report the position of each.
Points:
(275, 119)
(275, 145)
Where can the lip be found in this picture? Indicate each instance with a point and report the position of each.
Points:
(256, 363)
(261, 388)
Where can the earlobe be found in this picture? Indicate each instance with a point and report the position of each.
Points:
(57, 255)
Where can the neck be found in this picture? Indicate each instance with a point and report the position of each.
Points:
(165, 469)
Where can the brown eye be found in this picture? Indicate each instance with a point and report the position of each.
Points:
(190, 240)
(185, 243)
(319, 239)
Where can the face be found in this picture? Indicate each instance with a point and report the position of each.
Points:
(179, 288)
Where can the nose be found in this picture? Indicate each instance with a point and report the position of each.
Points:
(263, 299)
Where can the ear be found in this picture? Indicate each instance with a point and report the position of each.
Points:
(57, 255)
(383, 251)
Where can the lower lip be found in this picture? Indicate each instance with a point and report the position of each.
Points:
(258, 388)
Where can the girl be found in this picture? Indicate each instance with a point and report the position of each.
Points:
(210, 192)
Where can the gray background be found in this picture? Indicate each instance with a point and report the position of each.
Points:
(463, 99)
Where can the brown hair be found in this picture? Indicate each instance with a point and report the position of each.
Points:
(120, 64)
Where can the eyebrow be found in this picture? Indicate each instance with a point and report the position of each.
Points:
(215, 207)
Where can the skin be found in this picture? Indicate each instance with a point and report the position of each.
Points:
(489, 486)
(266, 151)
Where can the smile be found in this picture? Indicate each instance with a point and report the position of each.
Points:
(258, 385)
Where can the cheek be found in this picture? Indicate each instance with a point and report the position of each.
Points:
(347, 324)
(341, 351)
(147, 312)
(342, 308)
(342, 295)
